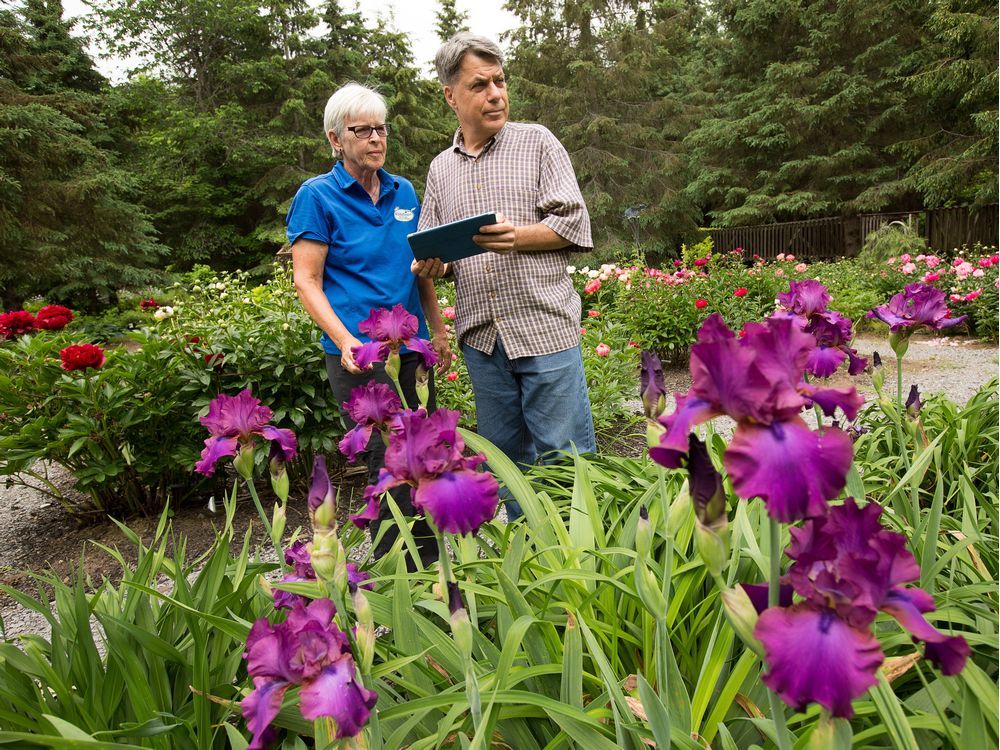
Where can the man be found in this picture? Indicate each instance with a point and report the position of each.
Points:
(516, 312)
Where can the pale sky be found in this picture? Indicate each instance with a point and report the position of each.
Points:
(414, 17)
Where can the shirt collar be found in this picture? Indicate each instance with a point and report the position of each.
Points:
(458, 143)
(345, 179)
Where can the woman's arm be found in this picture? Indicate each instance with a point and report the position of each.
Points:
(308, 259)
(439, 332)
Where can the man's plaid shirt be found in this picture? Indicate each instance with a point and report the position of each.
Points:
(528, 298)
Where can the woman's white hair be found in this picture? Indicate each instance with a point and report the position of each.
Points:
(352, 100)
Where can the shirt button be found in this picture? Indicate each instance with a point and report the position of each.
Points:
(488, 269)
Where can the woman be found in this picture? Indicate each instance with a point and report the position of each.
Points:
(347, 229)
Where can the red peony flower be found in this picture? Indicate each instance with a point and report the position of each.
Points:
(82, 356)
(216, 360)
(53, 317)
(592, 286)
(593, 314)
(15, 323)
(740, 292)
(583, 331)
(700, 303)
(149, 304)
(452, 375)
(448, 312)
(634, 345)
(701, 262)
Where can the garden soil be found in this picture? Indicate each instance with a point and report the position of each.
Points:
(37, 536)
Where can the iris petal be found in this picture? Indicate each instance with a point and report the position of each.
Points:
(458, 502)
(336, 692)
(355, 441)
(285, 439)
(949, 653)
(794, 469)
(259, 709)
(369, 353)
(215, 448)
(673, 443)
(824, 360)
(815, 657)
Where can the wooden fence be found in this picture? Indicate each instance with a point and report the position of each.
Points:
(837, 236)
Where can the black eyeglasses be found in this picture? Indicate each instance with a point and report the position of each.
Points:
(364, 132)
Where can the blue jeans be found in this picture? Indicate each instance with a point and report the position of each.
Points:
(531, 407)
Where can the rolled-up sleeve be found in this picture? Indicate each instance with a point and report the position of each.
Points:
(559, 197)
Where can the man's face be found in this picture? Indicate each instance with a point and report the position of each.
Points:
(479, 97)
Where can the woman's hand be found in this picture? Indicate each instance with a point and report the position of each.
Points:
(347, 356)
(441, 345)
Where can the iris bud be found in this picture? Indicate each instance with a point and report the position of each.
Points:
(243, 463)
(365, 631)
(643, 533)
(422, 384)
(461, 628)
(679, 511)
(742, 616)
(279, 475)
(653, 431)
(713, 548)
(278, 522)
(649, 591)
(900, 342)
(392, 365)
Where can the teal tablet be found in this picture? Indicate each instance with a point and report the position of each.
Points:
(451, 241)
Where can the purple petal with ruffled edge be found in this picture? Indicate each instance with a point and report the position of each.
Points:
(805, 297)
(285, 439)
(673, 443)
(714, 329)
(369, 353)
(793, 469)
(355, 441)
(824, 360)
(372, 403)
(269, 653)
(848, 400)
(858, 364)
(422, 347)
(393, 326)
(215, 448)
(336, 692)
(260, 708)
(424, 445)
(948, 653)
(724, 374)
(458, 502)
(298, 557)
(370, 512)
(234, 416)
(815, 657)
(358, 577)
(917, 305)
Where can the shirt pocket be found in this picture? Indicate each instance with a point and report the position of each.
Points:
(519, 204)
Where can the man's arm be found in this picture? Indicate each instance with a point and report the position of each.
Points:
(504, 237)
(439, 332)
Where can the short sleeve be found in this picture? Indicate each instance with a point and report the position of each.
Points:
(308, 218)
(428, 207)
(559, 196)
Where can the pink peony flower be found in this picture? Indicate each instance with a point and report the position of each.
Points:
(779, 257)
(602, 350)
(789, 257)
(593, 314)
(972, 295)
(978, 273)
(592, 286)
(800, 267)
(452, 375)
(448, 312)
(904, 258)
(931, 277)
(908, 268)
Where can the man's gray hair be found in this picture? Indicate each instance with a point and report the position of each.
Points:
(448, 59)
(352, 100)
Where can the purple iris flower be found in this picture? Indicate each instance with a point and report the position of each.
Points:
(299, 558)
(833, 333)
(371, 405)
(309, 650)
(917, 305)
(758, 381)
(388, 331)
(847, 568)
(805, 297)
(651, 386)
(232, 421)
(426, 453)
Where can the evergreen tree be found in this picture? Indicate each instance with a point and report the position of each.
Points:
(953, 151)
(449, 20)
(808, 106)
(68, 226)
(610, 80)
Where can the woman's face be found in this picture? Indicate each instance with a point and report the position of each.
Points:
(361, 154)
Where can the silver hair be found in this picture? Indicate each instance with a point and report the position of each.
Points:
(448, 59)
(351, 100)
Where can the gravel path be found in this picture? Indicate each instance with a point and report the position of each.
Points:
(36, 534)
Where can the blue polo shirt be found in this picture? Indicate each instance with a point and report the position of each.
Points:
(368, 260)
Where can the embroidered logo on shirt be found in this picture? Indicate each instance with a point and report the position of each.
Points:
(404, 214)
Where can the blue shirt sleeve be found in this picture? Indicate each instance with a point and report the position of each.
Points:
(308, 218)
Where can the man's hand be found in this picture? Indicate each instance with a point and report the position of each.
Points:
(431, 268)
(500, 237)
(440, 344)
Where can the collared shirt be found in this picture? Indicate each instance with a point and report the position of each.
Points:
(526, 298)
(368, 258)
